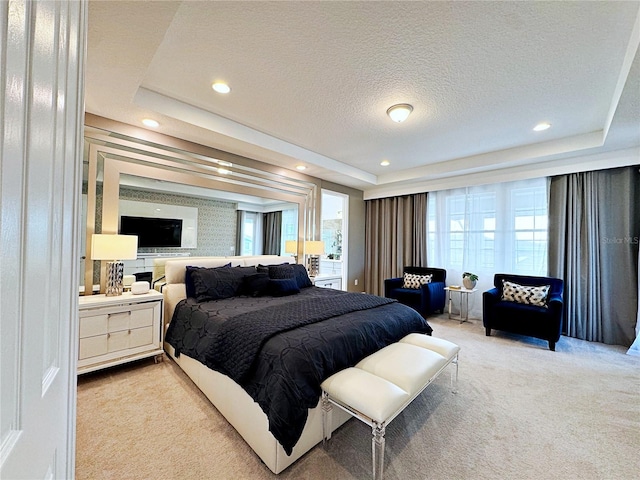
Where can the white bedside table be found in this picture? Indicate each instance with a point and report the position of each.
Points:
(328, 281)
(464, 294)
(119, 329)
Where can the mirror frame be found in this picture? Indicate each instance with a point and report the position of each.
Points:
(126, 150)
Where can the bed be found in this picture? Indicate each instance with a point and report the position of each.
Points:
(260, 354)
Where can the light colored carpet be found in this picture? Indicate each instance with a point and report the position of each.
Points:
(521, 412)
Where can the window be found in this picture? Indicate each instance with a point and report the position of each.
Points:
(489, 229)
(250, 233)
(289, 227)
(335, 207)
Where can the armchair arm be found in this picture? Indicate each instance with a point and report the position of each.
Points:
(433, 297)
(556, 311)
(489, 299)
(391, 283)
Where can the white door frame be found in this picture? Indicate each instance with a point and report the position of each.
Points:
(41, 124)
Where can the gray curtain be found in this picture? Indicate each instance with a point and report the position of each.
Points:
(594, 226)
(271, 233)
(395, 236)
(239, 229)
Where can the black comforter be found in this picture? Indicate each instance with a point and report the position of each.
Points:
(281, 360)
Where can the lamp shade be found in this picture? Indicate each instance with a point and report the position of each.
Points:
(291, 246)
(314, 247)
(114, 247)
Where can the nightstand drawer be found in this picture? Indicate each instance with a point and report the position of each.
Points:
(333, 282)
(92, 347)
(118, 321)
(140, 337)
(141, 317)
(93, 325)
(126, 339)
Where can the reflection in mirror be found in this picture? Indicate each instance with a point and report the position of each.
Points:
(203, 222)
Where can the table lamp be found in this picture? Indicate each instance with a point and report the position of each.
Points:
(313, 249)
(114, 249)
(291, 246)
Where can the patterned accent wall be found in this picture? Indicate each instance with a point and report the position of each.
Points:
(216, 222)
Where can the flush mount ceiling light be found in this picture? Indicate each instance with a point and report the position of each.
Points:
(399, 113)
(385, 163)
(224, 171)
(221, 87)
(150, 123)
(301, 167)
(541, 126)
(224, 163)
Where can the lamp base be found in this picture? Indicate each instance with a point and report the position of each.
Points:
(115, 273)
(314, 265)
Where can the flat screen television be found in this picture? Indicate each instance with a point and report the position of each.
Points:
(153, 232)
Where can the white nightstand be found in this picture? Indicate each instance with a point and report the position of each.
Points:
(328, 281)
(119, 329)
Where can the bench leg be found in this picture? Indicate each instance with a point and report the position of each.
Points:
(327, 409)
(454, 375)
(377, 449)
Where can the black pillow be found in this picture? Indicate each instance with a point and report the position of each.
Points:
(265, 268)
(188, 283)
(218, 283)
(281, 287)
(281, 271)
(255, 285)
(301, 275)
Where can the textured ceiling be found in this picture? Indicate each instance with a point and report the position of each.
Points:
(311, 81)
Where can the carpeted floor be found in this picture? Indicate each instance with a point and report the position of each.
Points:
(521, 412)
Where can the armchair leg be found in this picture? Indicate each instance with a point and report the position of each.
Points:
(552, 346)
(488, 331)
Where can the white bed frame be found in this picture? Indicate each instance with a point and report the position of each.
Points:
(227, 396)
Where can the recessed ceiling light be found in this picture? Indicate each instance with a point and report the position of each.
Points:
(385, 163)
(301, 167)
(221, 87)
(224, 171)
(541, 126)
(224, 163)
(150, 123)
(399, 113)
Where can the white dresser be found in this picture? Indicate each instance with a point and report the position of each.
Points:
(119, 329)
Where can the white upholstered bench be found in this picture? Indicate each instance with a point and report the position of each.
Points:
(380, 386)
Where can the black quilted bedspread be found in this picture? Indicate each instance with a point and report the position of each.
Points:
(281, 349)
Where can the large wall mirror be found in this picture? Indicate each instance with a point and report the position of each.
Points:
(212, 203)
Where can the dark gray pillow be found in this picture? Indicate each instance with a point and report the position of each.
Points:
(188, 283)
(302, 276)
(265, 268)
(218, 283)
(281, 271)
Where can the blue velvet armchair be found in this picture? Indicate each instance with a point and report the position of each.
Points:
(544, 322)
(427, 299)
